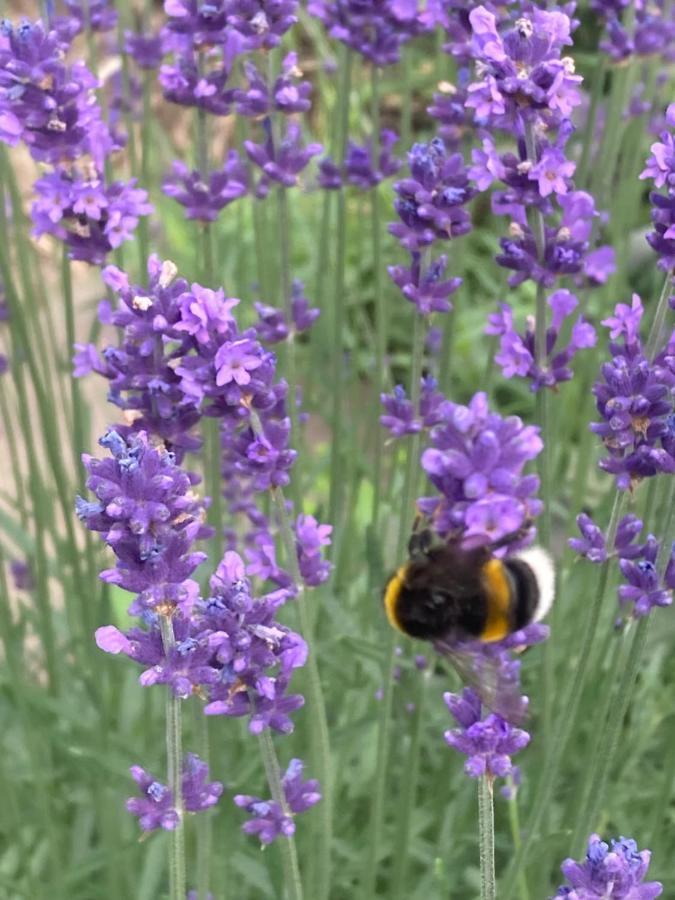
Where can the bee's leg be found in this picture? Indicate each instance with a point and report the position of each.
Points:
(512, 536)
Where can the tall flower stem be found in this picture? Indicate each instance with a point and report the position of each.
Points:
(75, 396)
(336, 481)
(380, 316)
(319, 733)
(553, 759)
(384, 719)
(293, 881)
(536, 220)
(174, 756)
(411, 768)
(626, 671)
(486, 833)
(289, 354)
(204, 842)
(514, 822)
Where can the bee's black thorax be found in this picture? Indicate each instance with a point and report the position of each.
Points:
(442, 595)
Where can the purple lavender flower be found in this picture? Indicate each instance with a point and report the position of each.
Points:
(488, 744)
(400, 417)
(254, 654)
(644, 587)
(449, 110)
(428, 291)
(146, 50)
(146, 513)
(593, 544)
(156, 809)
(431, 202)
(269, 820)
(651, 33)
(476, 460)
(310, 538)
(362, 171)
(373, 28)
(204, 23)
(44, 102)
(522, 73)
(262, 23)
(186, 80)
(22, 575)
(90, 216)
(287, 95)
(516, 354)
(283, 162)
(634, 402)
(272, 327)
(661, 168)
(204, 196)
(98, 15)
(619, 872)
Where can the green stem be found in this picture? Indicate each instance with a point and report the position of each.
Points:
(380, 312)
(384, 718)
(554, 757)
(514, 822)
(411, 769)
(662, 308)
(293, 881)
(589, 130)
(319, 733)
(486, 833)
(76, 398)
(336, 481)
(204, 842)
(174, 758)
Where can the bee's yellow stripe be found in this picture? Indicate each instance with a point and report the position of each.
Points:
(498, 591)
(391, 595)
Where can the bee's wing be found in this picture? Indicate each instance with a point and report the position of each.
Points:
(495, 683)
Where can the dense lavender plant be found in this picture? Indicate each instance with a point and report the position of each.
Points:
(618, 872)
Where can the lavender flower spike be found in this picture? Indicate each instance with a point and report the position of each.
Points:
(489, 743)
(617, 873)
(269, 820)
(155, 808)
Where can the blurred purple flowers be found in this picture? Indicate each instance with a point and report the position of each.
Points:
(617, 871)
(268, 819)
(516, 354)
(155, 807)
(488, 743)
(634, 401)
(661, 168)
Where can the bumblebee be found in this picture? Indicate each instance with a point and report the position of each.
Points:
(448, 593)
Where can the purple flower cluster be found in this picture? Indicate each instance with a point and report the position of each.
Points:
(651, 33)
(269, 819)
(205, 196)
(281, 160)
(272, 326)
(50, 106)
(643, 587)
(230, 650)
(182, 356)
(522, 74)
(488, 743)
(156, 808)
(476, 462)
(44, 102)
(97, 15)
(516, 354)
(618, 872)
(634, 399)
(359, 167)
(147, 514)
(661, 169)
(430, 205)
(401, 418)
(376, 29)
(90, 216)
